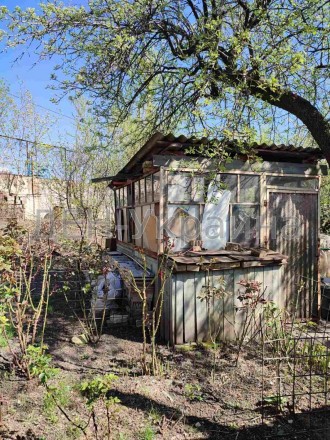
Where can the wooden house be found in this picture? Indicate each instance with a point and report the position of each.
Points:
(268, 206)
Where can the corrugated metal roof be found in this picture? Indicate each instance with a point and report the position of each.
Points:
(228, 142)
(171, 144)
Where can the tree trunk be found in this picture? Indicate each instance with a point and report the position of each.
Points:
(311, 117)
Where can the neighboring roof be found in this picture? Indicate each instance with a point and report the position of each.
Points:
(177, 145)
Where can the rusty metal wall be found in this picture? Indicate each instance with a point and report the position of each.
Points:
(293, 231)
(186, 318)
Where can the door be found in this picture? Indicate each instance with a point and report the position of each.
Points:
(293, 230)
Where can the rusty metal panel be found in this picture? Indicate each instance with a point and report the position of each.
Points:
(293, 220)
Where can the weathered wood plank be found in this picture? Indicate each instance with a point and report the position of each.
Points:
(228, 306)
(239, 311)
(179, 318)
(201, 308)
(189, 308)
(172, 310)
(166, 311)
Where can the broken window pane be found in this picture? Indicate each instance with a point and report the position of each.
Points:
(249, 189)
(244, 225)
(292, 182)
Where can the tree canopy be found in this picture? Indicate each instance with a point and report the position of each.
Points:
(244, 62)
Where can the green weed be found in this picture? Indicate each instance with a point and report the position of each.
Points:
(193, 392)
(147, 433)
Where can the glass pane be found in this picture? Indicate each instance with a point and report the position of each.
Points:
(129, 195)
(149, 188)
(142, 191)
(244, 225)
(137, 192)
(229, 182)
(117, 194)
(156, 184)
(182, 225)
(197, 189)
(292, 182)
(124, 193)
(179, 187)
(120, 197)
(249, 189)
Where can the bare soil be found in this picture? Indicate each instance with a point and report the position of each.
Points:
(201, 393)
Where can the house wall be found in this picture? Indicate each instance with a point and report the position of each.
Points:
(27, 197)
(186, 318)
(137, 212)
(250, 195)
(286, 198)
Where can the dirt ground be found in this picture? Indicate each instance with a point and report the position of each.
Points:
(201, 393)
(189, 401)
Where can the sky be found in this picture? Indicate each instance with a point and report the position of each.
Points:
(36, 79)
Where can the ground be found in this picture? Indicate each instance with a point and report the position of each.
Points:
(188, 401)
(200, 392)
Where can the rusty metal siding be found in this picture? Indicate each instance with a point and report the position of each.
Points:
(293, 229)
(187, 316)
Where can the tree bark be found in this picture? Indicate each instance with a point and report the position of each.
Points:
(300, 107)
(316, 123)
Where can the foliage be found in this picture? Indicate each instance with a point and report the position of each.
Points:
(21, 310)
(147, 433)
(60, 394)
(85, 267)
(40, 363)
(209, 294)
(151, 313)
(252, 300)
(193, 392)
(325, 205)
(99, 388)
(252, 62)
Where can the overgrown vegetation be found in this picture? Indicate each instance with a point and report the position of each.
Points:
(24, 298)
(93, 404)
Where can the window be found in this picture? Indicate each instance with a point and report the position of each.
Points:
(182, 225)
(229, 182)
(245, 225)
(156, 186)
(249, 191)
(129, 195)
(292, 182)
(148, 181)
(142, 191)
(184, 187)
(137, 192)
(124, 196)
(245, 214)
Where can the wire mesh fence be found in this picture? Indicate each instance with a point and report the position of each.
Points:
(295, 385)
